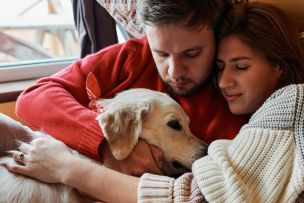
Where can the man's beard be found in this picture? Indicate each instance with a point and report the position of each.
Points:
(195, 89)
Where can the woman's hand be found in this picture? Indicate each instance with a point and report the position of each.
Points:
(51, 161)
(45, 159)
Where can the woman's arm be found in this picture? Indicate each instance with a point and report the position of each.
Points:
(50, 160)
(100, 182)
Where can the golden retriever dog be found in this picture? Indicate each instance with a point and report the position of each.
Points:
(130, 115)
(155, 117)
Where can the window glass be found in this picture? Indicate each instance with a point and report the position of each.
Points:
(33, 31)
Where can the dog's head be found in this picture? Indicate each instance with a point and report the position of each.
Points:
(155, 117)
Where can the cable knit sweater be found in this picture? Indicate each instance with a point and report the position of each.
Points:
(264, 163)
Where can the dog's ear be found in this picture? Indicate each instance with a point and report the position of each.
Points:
(122, 125)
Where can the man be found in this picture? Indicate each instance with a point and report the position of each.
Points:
(176, 57)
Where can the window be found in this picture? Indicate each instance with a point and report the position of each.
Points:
(37, 38)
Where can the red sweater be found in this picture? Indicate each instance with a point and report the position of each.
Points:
(59, 104)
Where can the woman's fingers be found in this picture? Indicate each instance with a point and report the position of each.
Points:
(20, 157)
(40, 160)
(25, 148)
(17, 168)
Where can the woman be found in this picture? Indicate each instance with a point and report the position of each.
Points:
(258, 54)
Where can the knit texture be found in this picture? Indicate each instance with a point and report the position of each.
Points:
(154, 188)
(283, 111)
(264, 163)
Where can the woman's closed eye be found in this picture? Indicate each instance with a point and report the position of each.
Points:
(242, 66)
(162, 54)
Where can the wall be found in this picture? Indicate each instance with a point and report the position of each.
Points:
(294, 9)
(8, 108)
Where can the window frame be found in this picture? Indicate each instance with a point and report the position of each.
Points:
(14, 78)
(17, 76)
(32, 69)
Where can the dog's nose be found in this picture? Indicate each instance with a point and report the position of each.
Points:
(203, 151)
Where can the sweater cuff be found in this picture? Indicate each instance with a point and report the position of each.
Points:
(90, 140)
(155, 188)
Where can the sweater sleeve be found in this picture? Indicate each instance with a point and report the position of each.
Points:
(258, 166)
(262, 164)
(154, 188)
(59, 104)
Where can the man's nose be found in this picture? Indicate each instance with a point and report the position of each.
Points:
(176, 68)
(225, 79)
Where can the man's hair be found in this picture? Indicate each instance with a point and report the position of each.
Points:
(193, 14)
(267, 29)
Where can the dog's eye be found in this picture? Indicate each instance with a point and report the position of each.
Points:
(174, 124)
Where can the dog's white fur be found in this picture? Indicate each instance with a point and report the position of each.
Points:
(134, 113)
(21, 189)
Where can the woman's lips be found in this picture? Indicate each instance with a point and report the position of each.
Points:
(231, 97)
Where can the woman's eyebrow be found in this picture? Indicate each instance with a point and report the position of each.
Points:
(234, 59)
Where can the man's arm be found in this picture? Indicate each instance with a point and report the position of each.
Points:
(59, 104)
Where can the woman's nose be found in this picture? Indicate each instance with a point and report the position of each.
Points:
(225, 79)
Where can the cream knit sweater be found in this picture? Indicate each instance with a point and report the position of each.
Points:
(264, 163)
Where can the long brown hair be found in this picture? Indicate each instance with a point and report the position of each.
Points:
(267, 29)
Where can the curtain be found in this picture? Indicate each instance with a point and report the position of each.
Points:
(96, 28)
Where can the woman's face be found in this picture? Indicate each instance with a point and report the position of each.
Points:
(245, 77)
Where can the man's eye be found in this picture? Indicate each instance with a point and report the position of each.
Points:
(161, 54)
(175, 125)
(193, 54)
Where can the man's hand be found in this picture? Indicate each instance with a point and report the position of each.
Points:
(145, 158)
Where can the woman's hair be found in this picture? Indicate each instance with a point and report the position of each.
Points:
(267, 29)
(194, 14)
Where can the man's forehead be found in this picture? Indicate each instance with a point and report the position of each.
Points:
(177, 39)
(181, 26)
